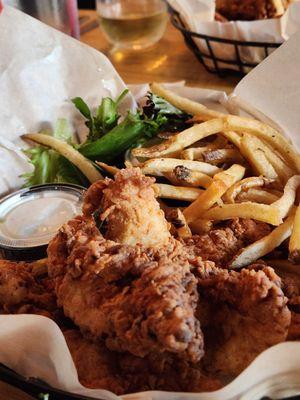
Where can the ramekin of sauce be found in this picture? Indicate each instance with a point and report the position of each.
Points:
(30, 218)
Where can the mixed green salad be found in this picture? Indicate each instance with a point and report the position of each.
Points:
(109, 137)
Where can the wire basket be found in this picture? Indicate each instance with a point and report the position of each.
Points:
(239, 63)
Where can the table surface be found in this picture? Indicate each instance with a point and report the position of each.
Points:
(168, 61)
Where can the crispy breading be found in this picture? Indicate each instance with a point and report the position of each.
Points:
(100, 368)
(222, 243)
(250, 9)
(26, 288)
(242, 314)
(97, 367)
(129, 209)
(138, 299)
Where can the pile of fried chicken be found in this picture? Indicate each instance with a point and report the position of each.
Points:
(249, 10)
(143, 310)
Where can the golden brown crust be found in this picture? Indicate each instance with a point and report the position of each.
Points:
(242, 314)
(250, 9)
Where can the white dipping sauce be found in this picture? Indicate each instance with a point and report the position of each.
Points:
(32, 217)
(37, 218)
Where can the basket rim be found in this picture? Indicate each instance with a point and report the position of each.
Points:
(175, 16)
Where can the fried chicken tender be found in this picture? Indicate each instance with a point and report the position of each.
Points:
(26, 288)
(121, 373)
(129, 208)
(97, 367)
(135, 298)
(250, 9)
(242, 314)
(220, 245)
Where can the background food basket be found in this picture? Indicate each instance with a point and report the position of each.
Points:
(205, 48)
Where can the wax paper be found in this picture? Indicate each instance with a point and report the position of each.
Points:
(40, 70)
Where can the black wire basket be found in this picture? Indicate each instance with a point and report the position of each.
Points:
(240, 61)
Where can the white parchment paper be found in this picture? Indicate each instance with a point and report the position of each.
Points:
(40, 70)
(199, 15)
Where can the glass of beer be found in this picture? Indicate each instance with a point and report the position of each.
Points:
(132, 24)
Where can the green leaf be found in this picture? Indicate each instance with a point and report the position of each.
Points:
(117, 141)
(82, 107)
(62, 130)
(105, 119)
(51, 167)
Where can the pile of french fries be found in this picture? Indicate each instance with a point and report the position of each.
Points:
(227, 166)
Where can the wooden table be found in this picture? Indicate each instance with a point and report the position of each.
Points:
(168, 61)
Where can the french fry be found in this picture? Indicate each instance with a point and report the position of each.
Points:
(214, 192)
(219, 156)
(257, 157)
(233, 137)
(194, 153)
(177, 192)
(176, 217)
(108, 168)
(257, 196)
(281, 168)
(265, 132)
(294, 244)
(245, 184)
(186, 105)
(159, 166)
(263, 246)
(184, 176)
(63, 148)
(260, 212)
(286, 203)
(182, 140)
(278, 6)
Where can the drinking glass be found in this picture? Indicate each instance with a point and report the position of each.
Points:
(60, 14)
(132, 24)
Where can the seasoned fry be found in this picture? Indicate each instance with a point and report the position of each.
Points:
(257, 196)
(182, 140)
(184, 176)
(286, 203)
(63, 148)
(259, 212)
(214, 192)
(195, 153)
(265, 132)
(257, 157)
(245, 184)
(176, 217)
(233, 137)
(294, 244)
(263, 246)
(222, 156)
(177, 192)
(158, 166)
(282, 169)
(109, 168)
(186, 105)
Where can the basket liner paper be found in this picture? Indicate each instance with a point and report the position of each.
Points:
(37, 90)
